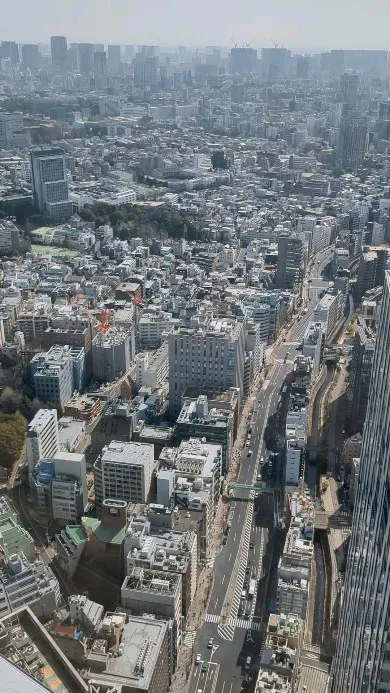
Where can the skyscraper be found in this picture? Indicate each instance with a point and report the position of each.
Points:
(49, 183)
(303, 66)
(100, 63)
(10, 49)
(275, 61)
(31, 56)
(243, 60)
(145, 71)
(114, 59)
(352, 142)
(336, 62)
(86, 58)
(349, 84)
(361, 663)
(59, 52)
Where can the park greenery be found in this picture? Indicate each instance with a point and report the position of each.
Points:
(15, 411)
(130, 220)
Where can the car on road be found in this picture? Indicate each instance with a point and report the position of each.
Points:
(210, 643)
(247, 569)
(245, 585)
(246, 615)
(243, 594)
(198, 659)
(251, 545)
(250, 453)
(240, 611)
(247, 444)
(224, 541)
(338, 477)
(205, 665)
(229, 524)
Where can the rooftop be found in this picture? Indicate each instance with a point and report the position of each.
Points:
(139, 650)
(31, 648)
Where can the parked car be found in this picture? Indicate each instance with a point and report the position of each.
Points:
(198, 659)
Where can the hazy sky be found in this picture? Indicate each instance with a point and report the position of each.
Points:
(297, 24)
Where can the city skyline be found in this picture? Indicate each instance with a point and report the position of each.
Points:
(224, 24)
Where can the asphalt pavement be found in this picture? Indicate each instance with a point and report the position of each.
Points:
(234, 621)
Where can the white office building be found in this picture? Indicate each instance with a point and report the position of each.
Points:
(12, 131)
(329, 310)
(210, 354)
(313, 344)
(124, 472)
(42, 437)
(53, 376)
(50, 183)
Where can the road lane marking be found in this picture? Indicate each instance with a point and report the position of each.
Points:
(223, 578)
(230, 555)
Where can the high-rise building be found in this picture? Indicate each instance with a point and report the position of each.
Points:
(12, 131)
(145, 70)
(129, 53)
(290, 266)
(359, 377)
(112, 353)
(10, 49)
(42, 437)
(86, 52)
(349, 85)
(361, 662)
(124, 472)
(114, 59)
(209, 355)
(31, 56)
(100, 63)
(49, 183)
(243, 60)
(303, 66)
(336, 62)
(275, 61)
(352, 142)
(59, 52)
(372, 267)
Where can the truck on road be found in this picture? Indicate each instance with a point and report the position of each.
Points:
(251, 589)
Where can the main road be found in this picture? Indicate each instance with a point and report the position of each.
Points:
(230, 637)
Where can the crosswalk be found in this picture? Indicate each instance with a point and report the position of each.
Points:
(189, 638)
(233, 623)
(212, 618)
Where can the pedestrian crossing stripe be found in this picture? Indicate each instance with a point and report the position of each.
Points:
(189, 638)
(234, 622)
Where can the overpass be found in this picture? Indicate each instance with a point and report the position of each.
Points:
(258, 488)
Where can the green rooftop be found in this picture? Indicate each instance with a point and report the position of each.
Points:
(76, 533)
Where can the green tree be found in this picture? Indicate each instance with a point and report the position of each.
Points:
(10, 445)
(9, 401)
